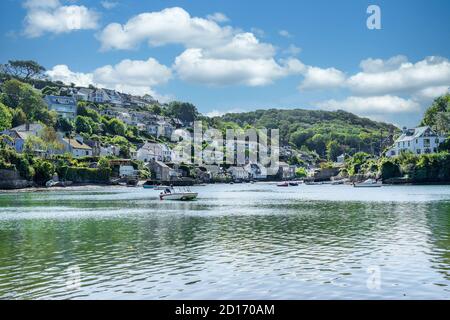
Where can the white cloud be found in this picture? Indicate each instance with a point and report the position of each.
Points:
(285, 33)
(432, 92)
(401, 76)
(193, 66)
(372, 105)
(169, 26)
(378, 65)
(214, 54)
(133, 73)
(130, 76)
(109, 4)
(242, 45)
(318, 78)
(50, 16)
(61, 72)
(218, 17)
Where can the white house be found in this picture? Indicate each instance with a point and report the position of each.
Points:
(77, 147)
(418, 141)
(127, 171)
(150, 151)
(65, 106)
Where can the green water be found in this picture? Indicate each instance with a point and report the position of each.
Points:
(248, 241)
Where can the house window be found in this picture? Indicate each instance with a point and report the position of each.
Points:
(426, 142)
(408, 143)
(436, 140)
(398, 144)
(87, 153)
(418, 151)
(434, 150)
(417, 140)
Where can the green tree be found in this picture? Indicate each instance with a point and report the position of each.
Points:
(300, 172)
(82, 125)
(333, 150)
(116, 127)
(23, 69)
(389, 169)
(182, 110)
(43, 171)
(5, 117)
(437, 116)
(103, 163)
(18, 117)
(64, 125)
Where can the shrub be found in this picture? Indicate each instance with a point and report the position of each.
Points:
(44, 171)
(389, 169)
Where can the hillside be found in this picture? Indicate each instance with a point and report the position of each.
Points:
(329, 133)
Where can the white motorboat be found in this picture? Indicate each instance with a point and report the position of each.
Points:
(369, 183)
(180, 194)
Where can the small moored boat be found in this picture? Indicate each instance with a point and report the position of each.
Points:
(179, 194)
(293, 183)
(369, 183)
(283, 184)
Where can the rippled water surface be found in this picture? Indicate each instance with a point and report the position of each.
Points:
(242, 241)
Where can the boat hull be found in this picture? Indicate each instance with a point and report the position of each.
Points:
(185, 196)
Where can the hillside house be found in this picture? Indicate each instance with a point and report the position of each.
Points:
(64, 106)
(420, 140)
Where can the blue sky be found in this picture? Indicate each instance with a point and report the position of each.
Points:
(243, 55)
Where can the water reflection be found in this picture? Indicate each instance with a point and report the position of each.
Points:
(255, 243)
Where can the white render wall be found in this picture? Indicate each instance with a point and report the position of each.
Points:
(415, 145)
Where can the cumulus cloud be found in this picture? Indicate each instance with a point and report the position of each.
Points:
(193, 66)
(130, 76)
(52, 17)
(387, 86)
(213, 55)
(61, 72)
(133, 73)
(318, 78)
(169, 26)
(401, 76)
(243, 45)
(372, 105)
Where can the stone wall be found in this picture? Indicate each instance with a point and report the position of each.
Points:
(10, 179)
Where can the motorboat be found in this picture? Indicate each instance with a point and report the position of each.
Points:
(369, 183)
(293, 183)
(180, 194)
(283, 184)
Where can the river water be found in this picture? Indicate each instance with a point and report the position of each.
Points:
(241, 241)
